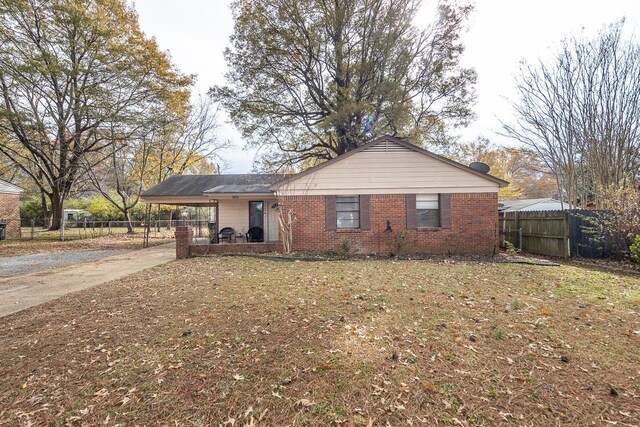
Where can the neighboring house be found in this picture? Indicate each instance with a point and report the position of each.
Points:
(528, 205)
(10, 209)
(385, 196)
(75, 215)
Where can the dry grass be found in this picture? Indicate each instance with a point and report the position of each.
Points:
(210, 340)
(10, 248)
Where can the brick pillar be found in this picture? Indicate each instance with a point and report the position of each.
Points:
(184, 238)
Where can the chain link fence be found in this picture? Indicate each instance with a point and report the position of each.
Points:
(30, 229)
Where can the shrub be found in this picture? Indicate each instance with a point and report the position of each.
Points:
(635, 249)
(400, 241)
(32, 209)
(101, 209)
(509, 247)
(346, 247)
(616, 225)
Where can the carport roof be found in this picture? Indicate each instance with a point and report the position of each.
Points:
(197, 185)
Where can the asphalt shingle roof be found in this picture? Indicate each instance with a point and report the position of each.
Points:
(196, 185)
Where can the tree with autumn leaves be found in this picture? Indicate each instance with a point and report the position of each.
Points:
(83, 92)
(527, 175)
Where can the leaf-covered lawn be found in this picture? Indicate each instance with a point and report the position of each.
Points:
(243, 341)
(9, 248)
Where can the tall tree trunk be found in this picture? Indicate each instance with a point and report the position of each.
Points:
(127, 218)
(57, 210)
(46, 212)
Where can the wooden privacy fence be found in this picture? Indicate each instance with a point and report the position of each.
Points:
(559, 233)
(538, 232)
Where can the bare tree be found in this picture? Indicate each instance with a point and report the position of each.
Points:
(120, 176)
(581, 114)
(286, 219)
(184, 141)
(311, 79)
(166, 142)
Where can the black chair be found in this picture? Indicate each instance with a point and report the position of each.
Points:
(255, 234)
(226, 234)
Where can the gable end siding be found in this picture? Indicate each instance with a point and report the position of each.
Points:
(387, 168)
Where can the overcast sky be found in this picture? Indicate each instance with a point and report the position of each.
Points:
(501, 34)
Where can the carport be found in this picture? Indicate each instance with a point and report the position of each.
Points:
(240, 207)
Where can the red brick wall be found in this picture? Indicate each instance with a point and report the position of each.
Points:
(10, 212)
(184, 238)
(474, 227)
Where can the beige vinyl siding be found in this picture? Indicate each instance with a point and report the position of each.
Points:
(235, 213)
(271, 226)
(398, 170)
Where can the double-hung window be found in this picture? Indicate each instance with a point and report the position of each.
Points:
(348, 211)
(427, 210)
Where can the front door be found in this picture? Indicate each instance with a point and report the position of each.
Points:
(256, 219)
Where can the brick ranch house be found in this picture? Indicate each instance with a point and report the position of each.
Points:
(382, 195)
(10, 209)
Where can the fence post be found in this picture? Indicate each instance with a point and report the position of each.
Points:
(33, 229)
(109, 225)
(565, 233)
(62, 228)
(520, 238)
(516, 225)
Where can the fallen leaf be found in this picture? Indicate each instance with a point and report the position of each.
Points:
(304, 403)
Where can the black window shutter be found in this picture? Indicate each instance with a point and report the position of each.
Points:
(330, 216)
(365, 212)
(410, 202)
(445, 210)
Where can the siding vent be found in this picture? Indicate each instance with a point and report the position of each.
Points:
(386, 147)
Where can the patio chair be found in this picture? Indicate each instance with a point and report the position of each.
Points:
(226, 234)
(255, 234)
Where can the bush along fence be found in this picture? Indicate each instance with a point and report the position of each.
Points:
(570, 233)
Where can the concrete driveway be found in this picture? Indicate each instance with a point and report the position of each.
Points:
(25, 264)
(23, 291)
